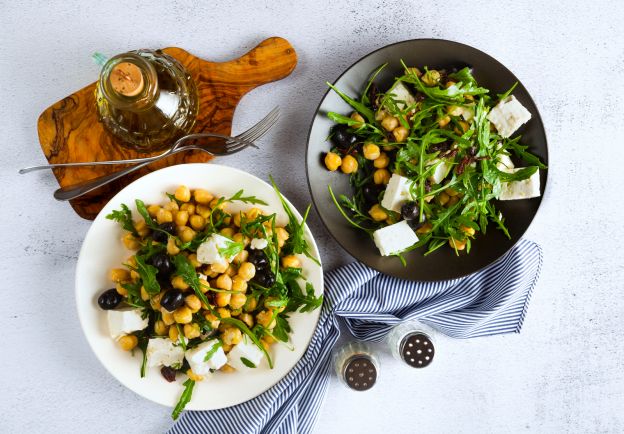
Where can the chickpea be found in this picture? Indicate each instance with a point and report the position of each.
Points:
(212, 319)
(239, 284)
(467, 230)
(451, 192)
(253, 213)
(232, 270)
(182, 193)
(174, 334)
(155, 300)
(219, 267)
(443, 198)
(382, 162)
(449, 84)
(454, 110)
(187, 234)
(134, 275)
(188, 207)
(381, 176)
(358, 118)
(224, 312)
(247, 319)
(371, 151)
(193, 260)
(181, 218)
(389, 123)
(160, 328)
(443, 121)
(469, 97)
(251, 304)
(215, 204)
(377, 213)
(465, 126)
(349, 164)
(193, 376)
(172, 206)
(193, 302)
(144, 295)
(118, 275)
(227, 368)
(247, 271)
(222, 299)
(197, 222)
(227, 232)
(178, 282)
(202, 196)
(141, 227)
(425, 228)
(240, 238)
(130, 241)
(191, 331)
(152, 210)
(291, 261)
(232, 336)
(268, 306)
(183, 315)
(453, 200)
(164, 216)
(332, 161)
(128, 342)
(431, 77)
(224, 282)
(269, 340)
(236, 219)
(265, 319)
(400, 134)
(282, 235)
(236, 312)
(172, 247)
(457, 244)
(167, 317)
(121, 290)
(241, 257)
(414, 71)
(203, 210)
(204, 286)
(238, 300)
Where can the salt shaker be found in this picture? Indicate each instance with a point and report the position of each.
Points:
(410, 343)
(356, 366)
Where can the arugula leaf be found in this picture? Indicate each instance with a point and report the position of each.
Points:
(142, 209)
(521, 152)
(185, 398)
(464, 75)
(364, 99)
(341, 119)
(282, 328)
(212, 351)
(238, 196)
(185, 269)
(172, 198)
(243, 327)
(147, 273)
(123, 216)
(519, 175)
(358, 106)
(502, 96)
(231, 249)
(248, 362)
(303, 302)
(143, 341)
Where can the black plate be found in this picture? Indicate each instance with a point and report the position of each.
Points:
(443, 264)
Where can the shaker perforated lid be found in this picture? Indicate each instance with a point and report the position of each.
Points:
(417, 350)
(360, 373)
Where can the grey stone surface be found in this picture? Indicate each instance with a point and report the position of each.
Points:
(562, 373)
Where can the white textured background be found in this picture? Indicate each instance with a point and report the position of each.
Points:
(564, 372)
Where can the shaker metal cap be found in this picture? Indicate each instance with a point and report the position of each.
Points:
(360, 373)
(417, 350)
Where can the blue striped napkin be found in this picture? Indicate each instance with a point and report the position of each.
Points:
(491, 301)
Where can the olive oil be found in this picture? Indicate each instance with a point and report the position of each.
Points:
(146, 99)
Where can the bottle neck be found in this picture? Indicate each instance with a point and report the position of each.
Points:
(129, 82)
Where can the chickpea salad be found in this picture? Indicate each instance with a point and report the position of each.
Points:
(428, 158)
(206, 289)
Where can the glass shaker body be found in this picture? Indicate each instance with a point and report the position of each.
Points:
(410, 343)
(356, 366)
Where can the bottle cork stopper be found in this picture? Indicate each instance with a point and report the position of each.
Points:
(127, 79)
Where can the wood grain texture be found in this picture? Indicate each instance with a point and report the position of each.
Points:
(69, 130)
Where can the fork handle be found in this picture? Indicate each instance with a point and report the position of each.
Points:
(88, 163)
(77, 190)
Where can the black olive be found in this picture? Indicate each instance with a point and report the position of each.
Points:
(110, 299)
(169, 373)
(264, 278)
(342, 137)
(160, 236)
(410, 211)
(371, 193)
(172, 299)
(259, 259)
(164, 265)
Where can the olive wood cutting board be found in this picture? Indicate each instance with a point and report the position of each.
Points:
(69, 130)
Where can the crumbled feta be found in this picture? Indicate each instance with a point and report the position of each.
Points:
(467, 112)
(441, 170)
(524, 189)
(397, 193)
(402, 93)
(394, 238)
(122, 322)
(508, 116)
(208, 251)
(163, 352)
(246, 349)
(259, 243)
(503, 162)
(196, 357)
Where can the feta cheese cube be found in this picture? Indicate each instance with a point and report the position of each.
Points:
(162, 352)
(402, 93)
(397, 193)
(508, 116)
(196, 357)
(394, 238)
(524, 189)
(246, 349)
(441, 170)
(504, 163)
(259, 243)
(122, 322)
(208, 251)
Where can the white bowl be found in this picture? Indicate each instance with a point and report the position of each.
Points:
(102, 250)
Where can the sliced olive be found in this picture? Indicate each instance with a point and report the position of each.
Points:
(410, 211)
(264, 278)
(163, 263)
(110, 299)
(371, 193)
(259, 259)
(172, 299)
(161, 236)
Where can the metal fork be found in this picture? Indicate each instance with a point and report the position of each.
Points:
(231, 146)
(252, 134)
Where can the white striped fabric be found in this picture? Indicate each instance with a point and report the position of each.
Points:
(492, 301)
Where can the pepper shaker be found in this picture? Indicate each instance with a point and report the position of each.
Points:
(356, 366)
(411, 344)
